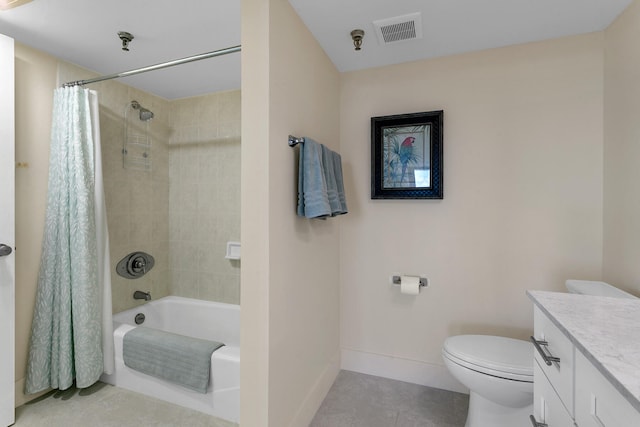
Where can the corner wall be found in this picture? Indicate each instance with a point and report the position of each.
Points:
(290, 283)
(622, 151)
(522, 205)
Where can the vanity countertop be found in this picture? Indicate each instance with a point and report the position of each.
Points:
(606, 330)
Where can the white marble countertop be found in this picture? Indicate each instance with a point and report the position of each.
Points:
(606, 330)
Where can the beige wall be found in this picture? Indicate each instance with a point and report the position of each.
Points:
(254, 216)
(622, 152)
(35, 82)
(204, 208)
(522, 204)
(290, 283)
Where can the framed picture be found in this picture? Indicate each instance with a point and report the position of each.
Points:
(406, 156)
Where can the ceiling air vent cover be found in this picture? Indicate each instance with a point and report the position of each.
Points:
(400, 28)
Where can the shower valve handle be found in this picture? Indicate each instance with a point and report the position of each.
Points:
(139, 264)
(135, 265)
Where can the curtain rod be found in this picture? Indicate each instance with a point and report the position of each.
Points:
(156, 66)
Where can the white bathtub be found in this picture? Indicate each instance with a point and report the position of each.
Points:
(195, 318)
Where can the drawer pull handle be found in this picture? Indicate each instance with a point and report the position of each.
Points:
(547, 359)
(534, 423)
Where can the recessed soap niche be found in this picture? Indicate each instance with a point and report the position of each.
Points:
(233, 250)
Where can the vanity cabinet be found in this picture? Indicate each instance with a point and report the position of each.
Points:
(571, 391)
(547, 406)
(598, 403)
(553, 374)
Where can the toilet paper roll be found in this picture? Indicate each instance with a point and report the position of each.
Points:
(410, 285)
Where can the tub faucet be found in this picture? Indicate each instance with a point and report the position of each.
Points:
(142, 295)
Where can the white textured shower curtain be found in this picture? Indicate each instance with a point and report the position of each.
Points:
(71, 334)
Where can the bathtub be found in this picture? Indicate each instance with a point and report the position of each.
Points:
(194, 318)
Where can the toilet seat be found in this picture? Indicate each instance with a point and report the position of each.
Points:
(501, 357)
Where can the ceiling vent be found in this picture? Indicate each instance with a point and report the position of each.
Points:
(400, 28)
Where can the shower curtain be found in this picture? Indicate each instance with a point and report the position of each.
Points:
(71, 333)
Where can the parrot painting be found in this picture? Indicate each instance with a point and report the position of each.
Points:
(406, 154)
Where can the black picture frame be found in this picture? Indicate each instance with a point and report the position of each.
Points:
(406, 156)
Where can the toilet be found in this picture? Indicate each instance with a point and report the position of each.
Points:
(499, 371)
(499, 374)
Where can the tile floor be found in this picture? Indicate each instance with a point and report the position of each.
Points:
(103, 405)
(355, 400)
(359, 400)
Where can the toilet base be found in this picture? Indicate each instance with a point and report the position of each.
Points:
(485, 413)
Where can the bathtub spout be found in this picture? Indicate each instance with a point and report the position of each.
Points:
(142, 295)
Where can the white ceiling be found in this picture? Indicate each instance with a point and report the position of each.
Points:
(449, 26)
(84, 32)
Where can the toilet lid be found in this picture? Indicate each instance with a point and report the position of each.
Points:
(499, 356)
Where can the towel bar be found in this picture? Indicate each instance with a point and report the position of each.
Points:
(294, 140)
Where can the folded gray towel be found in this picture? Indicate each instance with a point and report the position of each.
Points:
(177, 358)
(313, 201)
(329, 172)
(337, 173)
(320, 182)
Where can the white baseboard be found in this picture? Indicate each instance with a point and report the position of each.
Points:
(401, 369)
(316, 395)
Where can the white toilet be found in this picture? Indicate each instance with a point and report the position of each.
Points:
(499, 374)
(499, 371)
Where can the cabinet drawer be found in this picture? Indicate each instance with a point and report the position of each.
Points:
(598, 403)
(547, 407)
(560, 374)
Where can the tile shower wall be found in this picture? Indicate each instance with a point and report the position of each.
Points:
(204, 196)
(138, 205)
(137, 201)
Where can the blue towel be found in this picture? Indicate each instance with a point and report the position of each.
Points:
(320, 182)
(177, 358)
(337, 172)
(313, 201)
(330, 178)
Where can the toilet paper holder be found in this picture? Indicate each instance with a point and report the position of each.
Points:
(397, 280)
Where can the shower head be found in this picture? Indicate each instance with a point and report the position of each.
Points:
(145, 114)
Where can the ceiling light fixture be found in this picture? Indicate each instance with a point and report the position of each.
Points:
(357, 36)
(126, 39)
(9, 4)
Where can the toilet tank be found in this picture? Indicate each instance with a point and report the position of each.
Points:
(601, 289)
